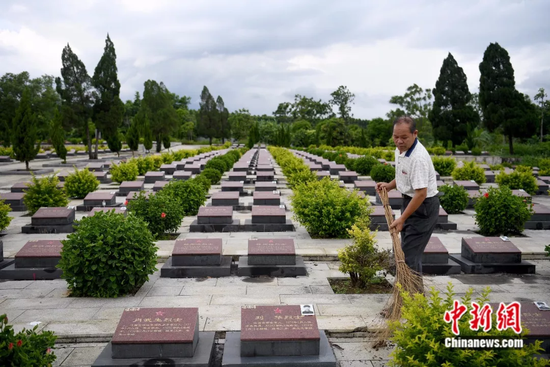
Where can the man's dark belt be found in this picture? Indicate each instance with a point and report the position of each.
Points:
(410, 198)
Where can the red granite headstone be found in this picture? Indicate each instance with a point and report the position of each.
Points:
(490, 250)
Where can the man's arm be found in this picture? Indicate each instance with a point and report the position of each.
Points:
(417, 200)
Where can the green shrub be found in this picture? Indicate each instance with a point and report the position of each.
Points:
(202, 181)
(499, 212)
(544, 167)
(470, 171)
(43, 192)
(421, 332)
(462, 148)
(235, 153)
(476, 151)
(144, 164)
(294, 169)
(190, 195)
(437, 150)
(5, 219)
(124, 171)
(362, 260)
(108, 255)
(496, 167)
(341, 158)
(213, 175)
(524, 169)
(444, 166)
(167, 158)
(218, 164)
(325, 209)
(382, 173)
(80, 183)
(162, 212)
(157, 162)
(363, 165)
(350, 164)
(454, 199)
(518, 180)
(27, 347)
(228, 160)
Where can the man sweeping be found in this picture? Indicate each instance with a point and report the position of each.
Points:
(415, 179)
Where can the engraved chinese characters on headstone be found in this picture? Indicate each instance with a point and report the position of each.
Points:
(490, 250)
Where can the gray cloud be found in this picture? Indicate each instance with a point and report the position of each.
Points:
(256, 54)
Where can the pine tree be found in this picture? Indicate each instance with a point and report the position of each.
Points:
(132, 137)
(451, 112)
(147, 135)
(25, 131)
(108, 110)
(208, 124)
(76, 93)
(57, 136)
(498, 97)
(223, 116)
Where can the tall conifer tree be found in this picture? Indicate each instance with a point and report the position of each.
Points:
(25, 131)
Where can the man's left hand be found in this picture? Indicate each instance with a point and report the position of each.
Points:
(397, 225)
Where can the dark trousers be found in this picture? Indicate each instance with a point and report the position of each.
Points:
(418, 229)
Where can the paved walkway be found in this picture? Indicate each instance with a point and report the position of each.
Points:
(85, 325)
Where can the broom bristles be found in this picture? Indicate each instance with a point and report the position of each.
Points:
(409, 280)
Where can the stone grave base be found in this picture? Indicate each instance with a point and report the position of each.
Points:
(18, 208)
(244, 269)
(238, 208)
(214, 271)
(379, 226)
(203, 355)
(449, 226)
(12, 273)
(469, 267)
(537, 225)
(232, 355)
(87, 208)
(248, 226)
(51, 228)
(6, 262)
(451, 267)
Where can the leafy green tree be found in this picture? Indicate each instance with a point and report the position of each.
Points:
(342, 98)
(11, 90)
(379, 131)
(283, 114)
(451, 112)
(157, 109)
(543, 106)
(240, 122)
(25, 131)
(503, 106)
(305, 108)
(333, 131)
(267, 132)
(108, 109)
(300, 125)
(223, 116)
(209, 124)
(57, 136)
(132, 137)
(147, 135)
(75, 89)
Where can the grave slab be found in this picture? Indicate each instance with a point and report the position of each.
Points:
(156, 333)
(537, 322)
(542, 187)
(322, 174)
(98, 197)
(51, 220)
(215, 215)
(265, 176)
(378, 218)
(132, 195)
(335, 169)
(540, 219)
(96, 166)
(395, 197)
(268, 251)
(152, 177)
(266, 198)
(237, 176)
(268, 214)
(14, 200)
(130, 186)
(468, 185)
(194, 168)
(168, 169)
(489, 176)
(469, 267)
(347, 176)
(20, 186)
(435, 259)
(169, 270)
(522, 194)
(234, 226)
(197, 251)
(225, 198)
(367, 186)
(36, 260)
(181, 175)
(5, 158)
(246, 269)
(232, 186)
(159, 185)
(241, 167)
(265, 186)
(278, 331)
(490, 250)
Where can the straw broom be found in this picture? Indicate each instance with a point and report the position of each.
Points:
(410, 280)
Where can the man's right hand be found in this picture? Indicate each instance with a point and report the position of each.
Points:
(381, 185)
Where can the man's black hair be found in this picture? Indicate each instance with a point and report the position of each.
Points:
(406, 120)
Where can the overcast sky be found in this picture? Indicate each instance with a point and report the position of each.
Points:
(258, 53)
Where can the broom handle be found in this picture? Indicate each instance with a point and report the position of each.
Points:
(396, 241)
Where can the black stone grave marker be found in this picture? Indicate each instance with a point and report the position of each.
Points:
(36, 260)
(168, 169)
(129, 186)
(225, 198)
(20, 187)
(540, 219)
(266, 198)
(347, 176)
(159, 185)
(215, 215)
(14, 200)
(265, 176)
(265, 186)
(182, 175)
(268, 214)
(51, 220)
(368, 186)
(152, 177)
(435, 259)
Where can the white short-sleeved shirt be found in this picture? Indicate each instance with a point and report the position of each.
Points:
(414, 170)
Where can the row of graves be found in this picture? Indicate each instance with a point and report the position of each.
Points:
(278, 335)
(251, 186)
(53, 154)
